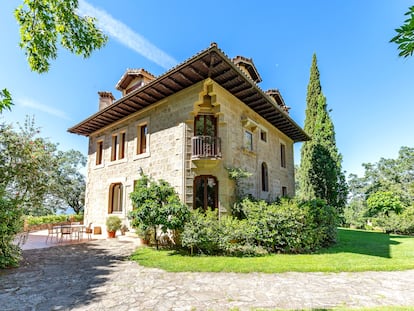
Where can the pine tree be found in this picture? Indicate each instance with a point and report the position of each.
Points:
(320, 173)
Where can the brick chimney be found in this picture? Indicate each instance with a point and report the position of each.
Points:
(105, 99)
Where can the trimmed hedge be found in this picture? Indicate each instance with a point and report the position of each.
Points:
(51, 219)
(287, 226)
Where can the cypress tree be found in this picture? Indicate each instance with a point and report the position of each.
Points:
(320, 173)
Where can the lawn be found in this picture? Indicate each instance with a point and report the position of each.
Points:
(355, 251)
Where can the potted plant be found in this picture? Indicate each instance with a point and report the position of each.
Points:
(113, 223)
(144, 236)
(124, 229)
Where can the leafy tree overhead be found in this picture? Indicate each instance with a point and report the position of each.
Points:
(405, 35)
(5, 100)
(320, 174)
(46, 23)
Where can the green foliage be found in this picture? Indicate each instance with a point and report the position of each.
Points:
(356, 250)
(238, 174)
(320, 174)
(11, 223)
(37, 176)
(388, 185)
(44, 23)
(354, 214)
(287, 226)
(27, 163)
(5, 100)
(405, 35)
(68, 186)
(51, 219)
(113, 223)
(383, 202)
(402, 223)
(156, 204)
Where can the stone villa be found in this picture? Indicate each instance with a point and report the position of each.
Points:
(187, 127)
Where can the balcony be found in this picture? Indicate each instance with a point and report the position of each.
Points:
(205, 148)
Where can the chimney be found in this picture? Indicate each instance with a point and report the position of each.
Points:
(276, 97)
(105, 99)
(247, 67)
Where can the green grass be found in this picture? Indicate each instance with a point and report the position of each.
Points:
(385, 308)
(355, 251)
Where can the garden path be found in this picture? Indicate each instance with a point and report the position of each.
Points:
(97, 276)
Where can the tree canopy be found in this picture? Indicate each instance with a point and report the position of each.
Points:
(45, 24)
(405, 35)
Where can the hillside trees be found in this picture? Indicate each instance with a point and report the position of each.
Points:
(68, 185)
(385, 193)
(320, 174)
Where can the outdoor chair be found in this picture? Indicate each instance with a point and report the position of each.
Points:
(88, 231)
(66, 231)
(77, 230)
(51, 232)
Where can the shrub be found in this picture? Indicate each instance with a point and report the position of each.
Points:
(288, 227)
(396, 223)
(51, 219)
(354, 214)
(156, 204)
(11, 223)
(324, 222)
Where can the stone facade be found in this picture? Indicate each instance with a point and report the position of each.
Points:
(189, 126)
(170, 125)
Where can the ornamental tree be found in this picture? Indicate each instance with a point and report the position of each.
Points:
(320, 173)
(156, 204)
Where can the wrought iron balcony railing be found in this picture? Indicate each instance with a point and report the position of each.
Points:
(206, 147)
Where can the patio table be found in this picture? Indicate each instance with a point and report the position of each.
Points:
(69, 230)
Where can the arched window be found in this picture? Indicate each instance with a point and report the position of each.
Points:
(115, 198)
(265, 178)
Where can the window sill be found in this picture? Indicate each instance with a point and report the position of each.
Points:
(142, 156)
(124, 160)
(249, 152)
(96, 167)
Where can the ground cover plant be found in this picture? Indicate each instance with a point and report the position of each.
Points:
(356, 250)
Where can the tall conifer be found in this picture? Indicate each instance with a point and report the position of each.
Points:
(320, 173)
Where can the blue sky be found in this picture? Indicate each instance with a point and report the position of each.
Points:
(368, 87)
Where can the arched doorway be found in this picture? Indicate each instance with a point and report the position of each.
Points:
(205, 192)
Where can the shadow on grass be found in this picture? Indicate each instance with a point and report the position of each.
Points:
(61, 277)
(362, 242)
(349, 241)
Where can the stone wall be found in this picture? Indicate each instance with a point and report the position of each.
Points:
(164, 159)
